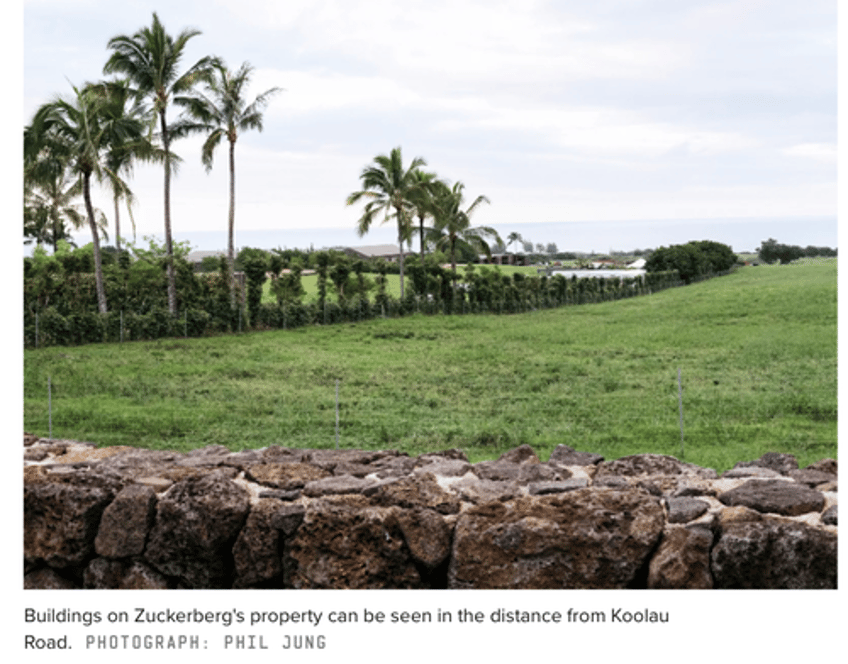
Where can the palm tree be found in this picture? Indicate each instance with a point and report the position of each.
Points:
(150, 59)
(453, 224)
(50, 190)
(422, 201)
(224, 112)
(390, 188)
(121, 155)
(85, 132)
(513, 238)
(123, 151)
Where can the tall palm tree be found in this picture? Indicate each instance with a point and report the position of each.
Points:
(224, 112)
(453, 224)
(150, 59)
(390, 188)
(83, 129)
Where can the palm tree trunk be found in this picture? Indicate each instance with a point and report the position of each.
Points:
(169, 247)
(98, 266)
(421, 227)
(453, 256)
(400, 242)
(117, 226)
(232, 225)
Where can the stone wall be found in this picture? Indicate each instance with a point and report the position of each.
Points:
(306, 518)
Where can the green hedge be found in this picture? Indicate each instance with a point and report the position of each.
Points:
(488, 292)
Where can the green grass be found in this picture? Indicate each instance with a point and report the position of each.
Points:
(310, 282)
(756, 351)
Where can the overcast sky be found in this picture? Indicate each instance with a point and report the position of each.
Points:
(556, 111)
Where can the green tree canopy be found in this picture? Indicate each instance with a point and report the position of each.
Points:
(693, 259)
(86, 128)
(390, 189)
(453, 224)
(150, 59)
(221, 111)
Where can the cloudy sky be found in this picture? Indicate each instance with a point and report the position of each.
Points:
(560, 111)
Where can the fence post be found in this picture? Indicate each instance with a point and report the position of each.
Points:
(36, 329)
(122, 326)
(337, 413)
(49, 409)
(680, 401)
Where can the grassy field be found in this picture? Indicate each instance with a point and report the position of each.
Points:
(310, 282)
(756, 351)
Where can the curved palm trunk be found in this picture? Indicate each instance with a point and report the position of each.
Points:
(232, 225)
(169, 247)
(98, 266)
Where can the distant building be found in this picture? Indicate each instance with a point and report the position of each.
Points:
(390, 252)
(504, 259)
(638, 264)
(198, 256)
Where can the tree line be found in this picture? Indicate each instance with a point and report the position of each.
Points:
(60, 292)
(105, 127)
(771, 251)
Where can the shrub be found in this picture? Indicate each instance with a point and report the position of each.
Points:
(196, 321)
(771, 251)
(255, 264)
(53, 328)
(692, 260)
(86, 328)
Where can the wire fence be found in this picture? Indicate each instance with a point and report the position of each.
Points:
(337, 414)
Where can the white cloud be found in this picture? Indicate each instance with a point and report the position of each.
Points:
(605, 130)
(695, 202)
(466, 40)
(826, 152)
(311, 91)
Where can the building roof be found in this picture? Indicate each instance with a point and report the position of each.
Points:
(376, 250)
(197, 256)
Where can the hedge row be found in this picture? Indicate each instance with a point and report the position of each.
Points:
(492, 293)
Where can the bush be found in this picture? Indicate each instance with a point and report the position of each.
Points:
(155, 324)
(771, 251)
(86, 328)
(255, 263)
(692, 260)
(196, 321)
(53, 329)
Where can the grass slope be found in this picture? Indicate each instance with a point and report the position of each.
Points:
(756, 351)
